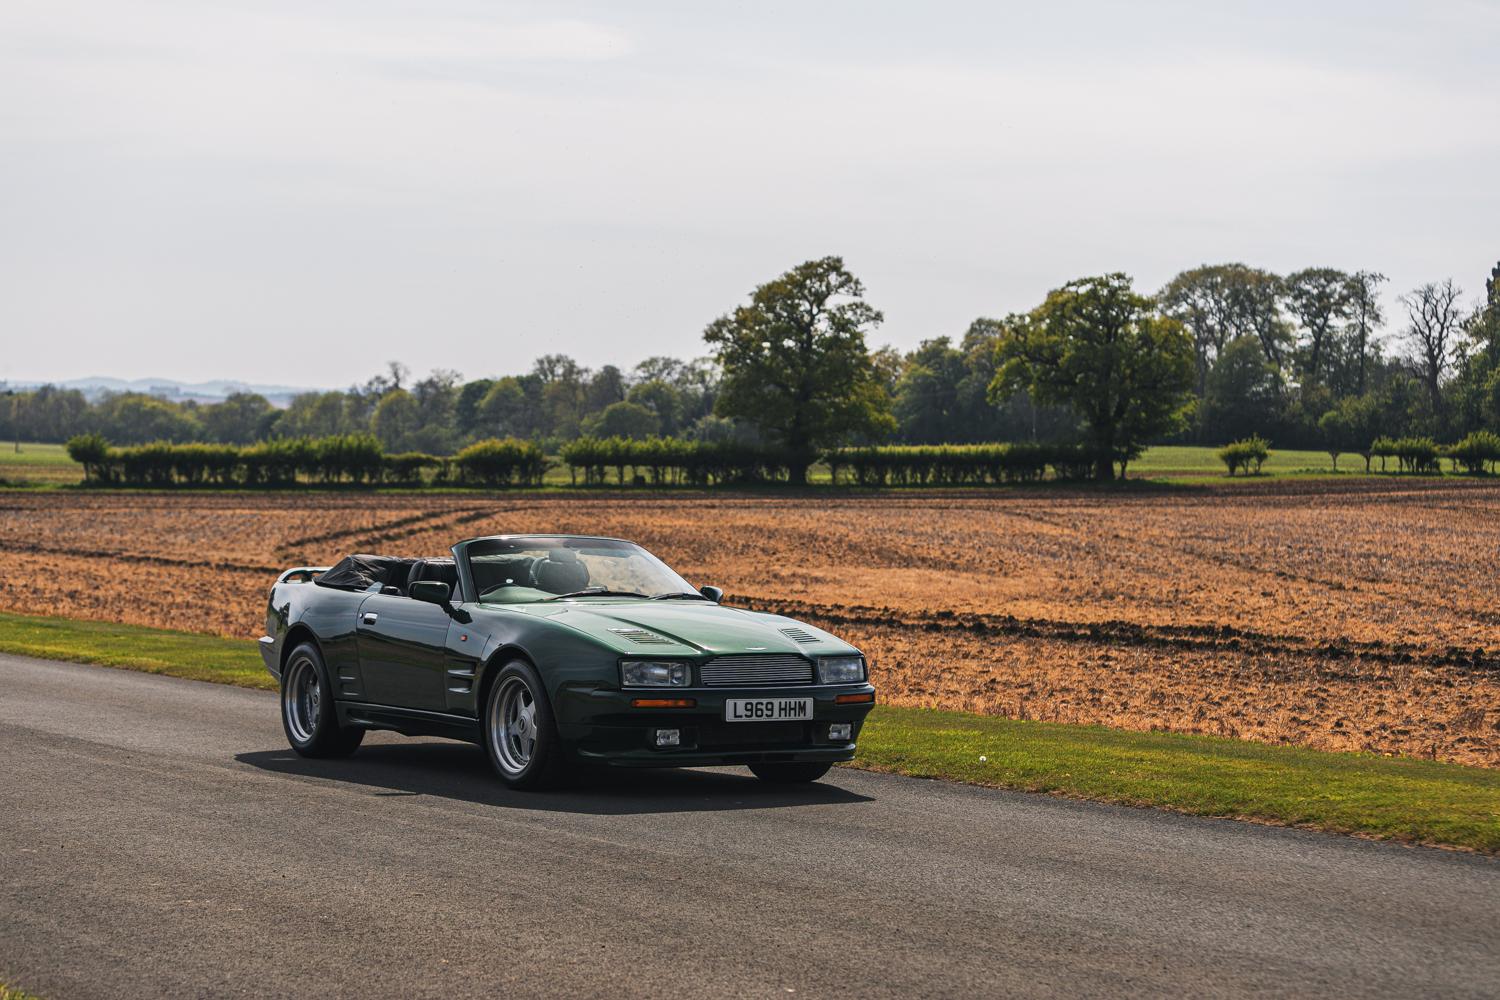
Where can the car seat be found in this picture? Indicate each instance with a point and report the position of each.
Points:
(440, 570)
(561, 572)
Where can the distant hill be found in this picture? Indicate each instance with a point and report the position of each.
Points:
(166, 388)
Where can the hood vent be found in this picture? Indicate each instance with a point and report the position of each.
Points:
(641, 636)
(801, 635)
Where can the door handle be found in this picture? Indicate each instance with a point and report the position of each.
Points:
(370, 617)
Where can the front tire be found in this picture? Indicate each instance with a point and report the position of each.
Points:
(520, 734)
(307, 712)
(789, 774)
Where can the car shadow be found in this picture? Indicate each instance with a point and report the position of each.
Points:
(461, 771)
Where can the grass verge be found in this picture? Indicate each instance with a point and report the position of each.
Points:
(1416, 801)
(1388, 798)
(134, 647)
(12, 993)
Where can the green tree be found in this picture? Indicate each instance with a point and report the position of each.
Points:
(795, 362)
(1365, 319)
(1202, 300)
(395, 418)
(1351, 426)
(1319, 298)
(1218, 303)
(1242, 394)
(664, 400)
(606, 386)
(241, 419)
(1100, 348)
(466, 410)
(316, 415)
(622, 419)
(505, 410)
(928, 406)
(135, 418)
(1475, 389)
(434, 429)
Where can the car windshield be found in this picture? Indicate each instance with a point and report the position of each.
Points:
(536, 568)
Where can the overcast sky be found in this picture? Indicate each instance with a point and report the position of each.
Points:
(297, 192)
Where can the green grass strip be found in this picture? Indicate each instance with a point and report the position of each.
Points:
(134, 647)
(1384, 797)
(1389, 798)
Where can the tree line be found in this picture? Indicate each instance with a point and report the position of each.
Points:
(1221, 353)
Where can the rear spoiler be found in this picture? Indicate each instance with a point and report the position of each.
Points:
(301, 574)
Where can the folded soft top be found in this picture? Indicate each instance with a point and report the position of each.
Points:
(361, 572)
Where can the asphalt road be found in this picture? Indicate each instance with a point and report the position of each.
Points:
(159, 839)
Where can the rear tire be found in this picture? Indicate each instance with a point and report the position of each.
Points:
(520, 733)
(307, 714)
(789, 774)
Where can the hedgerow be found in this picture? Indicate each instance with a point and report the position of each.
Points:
(498, 462)
(672, 461)
(347, 458)
(957, 465)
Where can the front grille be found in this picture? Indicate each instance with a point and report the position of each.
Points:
(756, 671)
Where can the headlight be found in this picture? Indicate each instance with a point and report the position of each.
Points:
(654, 673)
(841, 669)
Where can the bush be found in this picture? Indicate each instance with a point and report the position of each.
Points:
(90, 451)
(406, 468)
(1383, 448)
(1475, 452)
(1417, 455)
(356, 457)
(505, 462)
(1249, 454)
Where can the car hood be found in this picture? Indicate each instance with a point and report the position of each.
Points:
(679, 628)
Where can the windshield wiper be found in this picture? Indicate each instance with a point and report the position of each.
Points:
(684, 595)
(598, 592)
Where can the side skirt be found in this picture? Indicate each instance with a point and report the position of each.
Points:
(407, 721)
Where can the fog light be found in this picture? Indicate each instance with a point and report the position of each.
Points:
(668, 737)
(841, 732)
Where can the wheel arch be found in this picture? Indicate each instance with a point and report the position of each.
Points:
(296, 636)
(502, 655)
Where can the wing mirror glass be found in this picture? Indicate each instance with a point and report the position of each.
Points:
(430, 591)
(715, 594)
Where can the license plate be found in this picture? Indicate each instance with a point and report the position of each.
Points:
(767, 709)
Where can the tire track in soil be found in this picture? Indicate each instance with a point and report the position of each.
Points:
(402, 527)
(379, 533)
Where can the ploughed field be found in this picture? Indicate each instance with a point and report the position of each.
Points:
(1342, 615)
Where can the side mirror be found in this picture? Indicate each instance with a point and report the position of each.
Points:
(430, 591)
(715, 594)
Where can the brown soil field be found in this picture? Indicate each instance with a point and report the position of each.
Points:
(1351, 615)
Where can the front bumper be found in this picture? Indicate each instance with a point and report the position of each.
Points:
(600, 725)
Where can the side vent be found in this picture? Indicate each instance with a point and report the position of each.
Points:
(801, 635)
(643, 637)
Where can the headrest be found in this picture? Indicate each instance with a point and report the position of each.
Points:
(562, 556)
(561, 576)
(441, 570)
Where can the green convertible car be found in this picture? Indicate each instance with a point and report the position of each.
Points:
(551, 650)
